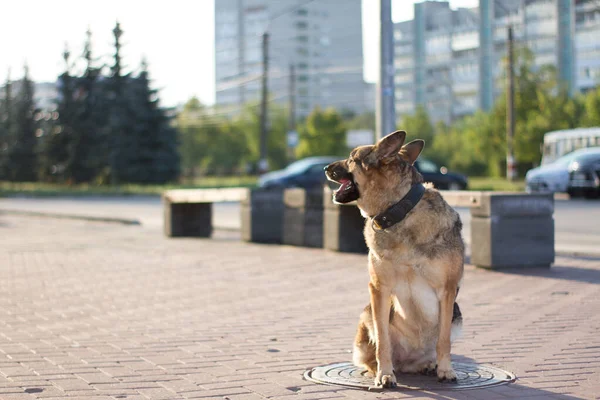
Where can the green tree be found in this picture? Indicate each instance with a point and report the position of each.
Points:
(192, 146)
(22, 136)
(419, 126)
(591, 104)
(56, 141)
(323, 133)
(122, 147)
(362, 121)
(210, 144)
(152, 155)
(6, 117)
(249, 124)
(88, 115)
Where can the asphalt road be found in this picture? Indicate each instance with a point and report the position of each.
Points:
(577, 222)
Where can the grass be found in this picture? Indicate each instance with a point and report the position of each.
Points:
(36, 189)
(495, 184)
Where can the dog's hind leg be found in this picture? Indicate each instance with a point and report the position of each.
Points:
(363, 354)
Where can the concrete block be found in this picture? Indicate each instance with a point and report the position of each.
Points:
(343, 230)
(512, 230)
(187, 219)
(509, 242)
(303, 218)
(513, 205)
(262, 216)
(343, 226)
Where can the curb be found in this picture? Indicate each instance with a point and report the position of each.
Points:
(123, 221)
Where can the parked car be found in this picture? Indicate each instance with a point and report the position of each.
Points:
(584, 174)
(554, 177)
(308, 174)
(441, 178)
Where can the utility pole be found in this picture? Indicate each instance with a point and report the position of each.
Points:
(385, 108)
(510, 110)
(292, 134)
(263, 165)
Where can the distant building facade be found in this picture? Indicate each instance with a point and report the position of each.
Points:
(451, 61)
(322, 39)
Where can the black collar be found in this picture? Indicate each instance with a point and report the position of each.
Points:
(398, 211)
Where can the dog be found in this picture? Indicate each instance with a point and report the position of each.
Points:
(416, 262)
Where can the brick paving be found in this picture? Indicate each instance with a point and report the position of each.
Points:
(105, 311)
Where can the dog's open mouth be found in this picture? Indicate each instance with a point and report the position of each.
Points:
(347, 192)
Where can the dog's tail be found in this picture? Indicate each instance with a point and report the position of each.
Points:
(457, 321)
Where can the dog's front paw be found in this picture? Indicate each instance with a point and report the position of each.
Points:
(446, 374)
(386, 380)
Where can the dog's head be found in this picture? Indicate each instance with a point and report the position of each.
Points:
(373, 173)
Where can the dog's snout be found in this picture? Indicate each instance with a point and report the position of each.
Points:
(330, 170)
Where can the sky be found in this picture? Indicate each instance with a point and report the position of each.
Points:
(176, 37)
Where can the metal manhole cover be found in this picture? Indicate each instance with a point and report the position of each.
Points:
(470, 376)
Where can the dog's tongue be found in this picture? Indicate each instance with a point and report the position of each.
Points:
(346, 183)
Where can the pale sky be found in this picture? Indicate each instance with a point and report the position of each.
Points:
(176, 37)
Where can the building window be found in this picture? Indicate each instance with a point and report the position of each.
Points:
(302, 11)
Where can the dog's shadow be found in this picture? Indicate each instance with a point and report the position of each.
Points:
(557, 271)
(513, 390)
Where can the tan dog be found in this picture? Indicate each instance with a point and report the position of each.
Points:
(416, 257)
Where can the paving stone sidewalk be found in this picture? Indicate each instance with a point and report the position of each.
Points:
(105, 311)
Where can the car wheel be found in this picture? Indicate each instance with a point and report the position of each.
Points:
(454, 186)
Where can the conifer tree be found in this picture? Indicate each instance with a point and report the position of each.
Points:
(22, 136)
(6, 115)
(88, 148)
(55, 147)
(155, 158)
(121, 148)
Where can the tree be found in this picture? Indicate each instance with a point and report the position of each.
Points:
(211, 144)
(6, 116)
(55, 143)
(22, 135)
(323, 133)
(419, 126)
(591, 103)
(249, 124)
(121, 146)
(362, 121)
(156, 157)
(90, 141)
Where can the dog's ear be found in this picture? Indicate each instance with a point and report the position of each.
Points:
(390, 145)
(410, 151)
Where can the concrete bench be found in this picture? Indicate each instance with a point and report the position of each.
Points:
(188, 212)
(507, 229)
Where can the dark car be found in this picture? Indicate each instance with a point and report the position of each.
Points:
(306, 173)
(440, 177)
(584, 174)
